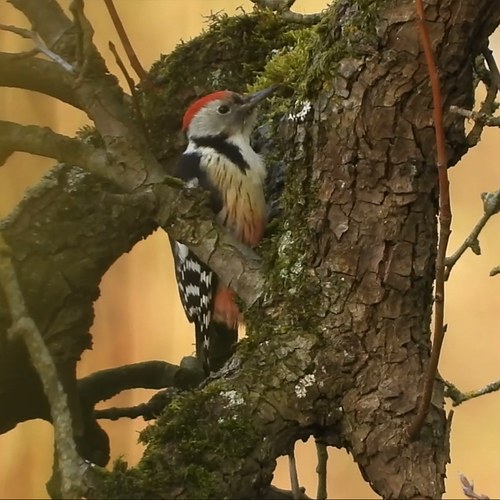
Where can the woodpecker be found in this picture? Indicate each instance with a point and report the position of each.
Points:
(220, 159)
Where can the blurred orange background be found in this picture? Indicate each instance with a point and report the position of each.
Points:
(139, 316)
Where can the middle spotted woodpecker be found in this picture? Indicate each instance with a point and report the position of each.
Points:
(220, 159)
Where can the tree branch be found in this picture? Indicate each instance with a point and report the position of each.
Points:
(458, 397)
(468, 489)
(43, 141)
(322, 470)
(48, 19)
(495, 271)
(38, 75)
(31, 35)
(71, 465)
(488, 106)
(105, 384)
(444, 225)
(148, 411)
(477, 116)
(491, 206)
(129, 50)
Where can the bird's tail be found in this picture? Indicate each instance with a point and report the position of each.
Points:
(215, 345)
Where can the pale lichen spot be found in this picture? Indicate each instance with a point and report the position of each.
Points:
(300, 115)
(233, 398)
(304, 383)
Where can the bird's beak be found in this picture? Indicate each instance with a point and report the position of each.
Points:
(250, 101)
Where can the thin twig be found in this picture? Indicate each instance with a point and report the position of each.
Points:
(458, 397)
(444, 225)
(85, 35)
(491, 206)
(468, 489)
(132, 57)
(495, 271)
(133, 92)
(31, 35)
(321, 470)
(477, 116)
(71, 465)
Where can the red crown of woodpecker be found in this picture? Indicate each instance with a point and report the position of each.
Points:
(195, 107)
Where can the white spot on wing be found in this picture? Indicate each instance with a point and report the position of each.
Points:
(182, 250)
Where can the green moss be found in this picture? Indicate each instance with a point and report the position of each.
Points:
(311, 55)
(203, 445)
(90, 135)
(288, 64)
(307, 63)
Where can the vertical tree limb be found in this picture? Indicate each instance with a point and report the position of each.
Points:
(444, 225)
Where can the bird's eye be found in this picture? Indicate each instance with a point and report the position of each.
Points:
(223, 109)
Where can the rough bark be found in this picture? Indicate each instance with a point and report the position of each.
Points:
(339, 347)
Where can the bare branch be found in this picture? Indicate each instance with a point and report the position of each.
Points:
(85, 33)
(131, 86)
(477, 116)
(129, 50)
(38, 75)
(445, 216)
(31, 35)
(491, 206)
(294, 476)
(321, 470)
(105, 384)
(468, 489)
(282, 7)
(148, 411)
(43, 141)
(71, 465)
(458, 397)
(495, 271)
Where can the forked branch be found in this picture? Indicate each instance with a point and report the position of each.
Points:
(491, 206)
(40, 47)
(458, 397)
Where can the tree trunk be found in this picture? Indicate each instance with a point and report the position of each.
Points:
(339, 345)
